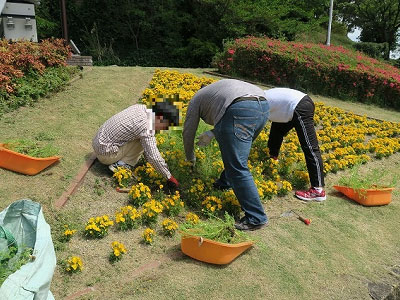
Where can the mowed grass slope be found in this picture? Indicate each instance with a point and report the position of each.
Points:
(345, 247)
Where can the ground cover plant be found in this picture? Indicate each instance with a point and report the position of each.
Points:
(325, 70)
(31, 148)
(30, 70)
(11, 261)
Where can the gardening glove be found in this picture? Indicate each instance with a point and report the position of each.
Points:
(205, 138)
(172, 185)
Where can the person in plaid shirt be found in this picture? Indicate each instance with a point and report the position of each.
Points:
(123, 138)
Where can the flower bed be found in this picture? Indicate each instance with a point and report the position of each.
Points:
(326, 70)
(345, 139)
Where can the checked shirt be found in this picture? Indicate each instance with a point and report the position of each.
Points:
(130, 124)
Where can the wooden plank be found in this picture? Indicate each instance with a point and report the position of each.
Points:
(76, 182)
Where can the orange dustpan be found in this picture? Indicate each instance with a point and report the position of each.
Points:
(211, 251)
(22, 163)
(367, 197)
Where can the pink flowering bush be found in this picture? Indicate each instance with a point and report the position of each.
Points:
(333, 71)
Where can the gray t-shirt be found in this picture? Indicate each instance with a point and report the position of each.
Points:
(210, 104)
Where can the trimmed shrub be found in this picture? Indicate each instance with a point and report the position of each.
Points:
(30, 70)
(396, 63)
(375, 50)
(326, 70)
(16, 58)
(31, 87)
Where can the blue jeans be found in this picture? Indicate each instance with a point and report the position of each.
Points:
(235, 133)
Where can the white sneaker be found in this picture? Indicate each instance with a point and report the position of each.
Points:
(119, 164)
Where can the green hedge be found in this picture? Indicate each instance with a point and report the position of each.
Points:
(326, 70)
(33, 85)
(375, 50)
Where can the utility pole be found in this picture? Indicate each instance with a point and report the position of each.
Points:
(328, 38)
(64, 21)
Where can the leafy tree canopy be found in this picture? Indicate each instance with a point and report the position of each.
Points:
(379, 20)
(175, 32)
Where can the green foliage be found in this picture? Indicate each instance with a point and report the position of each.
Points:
(177, 33)
(184, 33)
(374, 178)
(31, 148)
(29, 88)
(12, 262)
(48, 19)
(375, 50)
(318, 35)
(220, 230)
(379, 20)
(46, 28)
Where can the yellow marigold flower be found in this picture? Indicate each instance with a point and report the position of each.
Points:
(148, 235)
(74, 264)
(169, 227)
(98, 227)
(117, 250)
(192, 218)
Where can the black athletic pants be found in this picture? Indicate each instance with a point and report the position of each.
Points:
(303, 122)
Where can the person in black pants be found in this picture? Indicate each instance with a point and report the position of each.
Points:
(293, 109)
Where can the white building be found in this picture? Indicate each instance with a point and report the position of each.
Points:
(17, 19)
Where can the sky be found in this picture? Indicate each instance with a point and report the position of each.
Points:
(354, 35)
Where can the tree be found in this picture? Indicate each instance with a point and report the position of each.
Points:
(47, 24)
(274, 18)
(177, 32)
(379, 20)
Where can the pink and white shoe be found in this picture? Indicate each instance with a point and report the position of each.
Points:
(311, 195)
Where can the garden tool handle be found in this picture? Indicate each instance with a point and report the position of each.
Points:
(122, 190)
(304, 220)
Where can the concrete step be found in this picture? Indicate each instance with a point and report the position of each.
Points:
(78, 60)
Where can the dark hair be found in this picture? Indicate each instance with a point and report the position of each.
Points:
(168, 111)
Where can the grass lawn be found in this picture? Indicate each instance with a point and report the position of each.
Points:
(346, 246)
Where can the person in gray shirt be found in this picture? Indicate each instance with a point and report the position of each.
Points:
(238, 111)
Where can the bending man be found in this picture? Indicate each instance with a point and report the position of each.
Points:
(238, 111)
